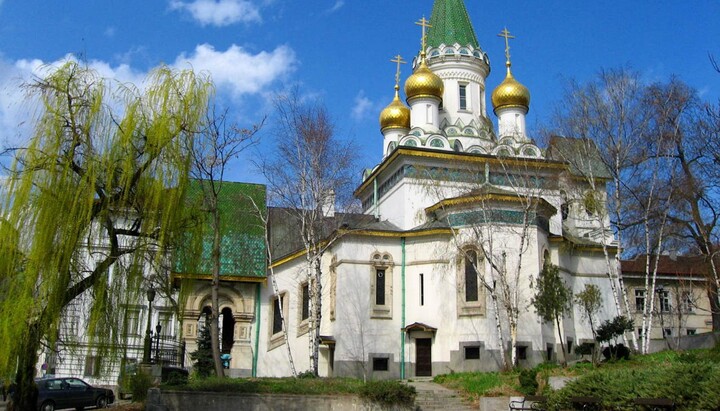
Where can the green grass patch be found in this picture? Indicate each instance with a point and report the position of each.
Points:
(480, 384)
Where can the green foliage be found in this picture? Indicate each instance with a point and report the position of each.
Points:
(203, 363)
(176, 378)
(307, 374)
(611, 329)
(552, 298)
(692, 386)
(90, 176)
(140, 383)
(528, 381)
(589, 300)
(585, 348)
(477, 384)
(388, 392)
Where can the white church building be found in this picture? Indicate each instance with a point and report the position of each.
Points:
(457, 221)
(455, 214)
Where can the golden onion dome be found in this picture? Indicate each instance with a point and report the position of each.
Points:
(395, 115)
(510, 93)
(424, 83)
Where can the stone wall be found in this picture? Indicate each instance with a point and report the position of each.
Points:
(212, 401)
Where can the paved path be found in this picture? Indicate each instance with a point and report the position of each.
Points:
(431, 396)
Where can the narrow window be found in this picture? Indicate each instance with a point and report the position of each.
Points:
(521, 352)
(664, 301)
(639, 300)
(277, 317)
(463, 96)
(422, 289)
(379, 287)
(92, 366)
(472, 353)
(549, 352)
(380, 364)
(305, 302)
(668, 332)
(471, 276)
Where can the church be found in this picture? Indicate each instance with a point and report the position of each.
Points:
(436, 275)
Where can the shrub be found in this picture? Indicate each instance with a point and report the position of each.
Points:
(388, 392)
(176, 378)
(140, 383)
(307, 374)
(692, 386)
(528, 381)
(585, 348)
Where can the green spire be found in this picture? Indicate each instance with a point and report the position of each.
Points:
(451, 24)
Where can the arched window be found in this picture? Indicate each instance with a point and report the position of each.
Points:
(228, 330)
(457, 146)
(471, 272)
(471, 276)
(381, 280)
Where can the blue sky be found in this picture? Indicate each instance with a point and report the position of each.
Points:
(339, 50)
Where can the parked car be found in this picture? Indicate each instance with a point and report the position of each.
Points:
(59, 393)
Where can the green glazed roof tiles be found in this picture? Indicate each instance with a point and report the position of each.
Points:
(451, 24)
(242, 244)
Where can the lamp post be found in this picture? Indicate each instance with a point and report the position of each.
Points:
(158, 328)
(148, 330)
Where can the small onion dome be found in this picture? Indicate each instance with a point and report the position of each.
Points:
(424, 83)
(510, 93)
(395, 115)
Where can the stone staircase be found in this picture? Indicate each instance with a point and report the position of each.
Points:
(431, 396)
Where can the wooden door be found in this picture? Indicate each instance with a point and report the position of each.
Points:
(423, 357)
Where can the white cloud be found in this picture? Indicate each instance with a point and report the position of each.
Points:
(337, 6)
(238, 70)
(363, 108)
(17, 111)
(219, 12)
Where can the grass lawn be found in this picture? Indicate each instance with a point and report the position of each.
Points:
(689, 378)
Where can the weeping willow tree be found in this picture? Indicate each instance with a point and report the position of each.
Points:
(90, 204)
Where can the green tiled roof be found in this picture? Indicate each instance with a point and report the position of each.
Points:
(242, 250)
(451, 24)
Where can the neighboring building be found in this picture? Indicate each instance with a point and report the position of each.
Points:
(681, 305)
(403, 288)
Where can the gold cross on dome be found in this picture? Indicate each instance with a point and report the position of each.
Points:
(424, 23)
(399, 60)
(505, 33)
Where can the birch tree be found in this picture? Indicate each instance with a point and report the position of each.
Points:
(95, 189)
(608, 121)
(310, 174)
(502, 245)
